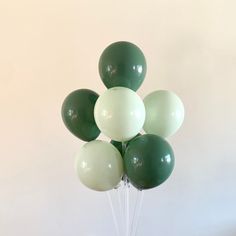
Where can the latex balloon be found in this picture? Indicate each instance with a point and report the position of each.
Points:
(119, 113)
(99, 165)
(78, 114)
(122, 64)
(149, 161)
(121, 146)
(118, 146)
(164, 113)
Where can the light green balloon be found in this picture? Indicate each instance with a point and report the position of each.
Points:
(119, 113)
(99, 165)
(164, 113)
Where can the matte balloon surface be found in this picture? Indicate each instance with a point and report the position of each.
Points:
(99, 165)
(122, 64)
(119, 113)
(121, 146)
(149, 161)
(78, 114)
(118, 146)
(164, 113)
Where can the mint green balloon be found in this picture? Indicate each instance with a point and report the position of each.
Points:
(99, 165)
(164, 113)
(119, 113)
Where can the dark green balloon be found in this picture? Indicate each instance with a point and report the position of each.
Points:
(118, 145)
(77, 114)
(122, 64)
(149, 161)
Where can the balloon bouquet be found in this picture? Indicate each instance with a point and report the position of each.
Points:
(130, 158)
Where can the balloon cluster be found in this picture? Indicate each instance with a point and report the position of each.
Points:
(145, 160)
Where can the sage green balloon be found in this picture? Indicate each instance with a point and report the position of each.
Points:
(99, 165)
(164, 113)
(149, 161)
(78, 114)
(122, 64)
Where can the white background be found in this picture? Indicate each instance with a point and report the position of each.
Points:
(50, 47)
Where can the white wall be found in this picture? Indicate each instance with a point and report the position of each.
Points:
(50, 47)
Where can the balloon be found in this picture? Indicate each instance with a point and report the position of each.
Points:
(99, 165)
(164, 113)
(118, 145)
(122, 64)
(149, 161)
(119, 113)
(78, 114)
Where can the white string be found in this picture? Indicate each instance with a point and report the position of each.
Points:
(119, 201)
(127, 209)
(113, 213)
(134, 211)
(125, 221)
(121, 210)
(125, 214)
(137, 211)
(124, 205)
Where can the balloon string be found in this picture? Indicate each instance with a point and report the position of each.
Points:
(137, 211)
(121, 209)
(119, 201)
(134, 212)
(113, 213)
(127, 207)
